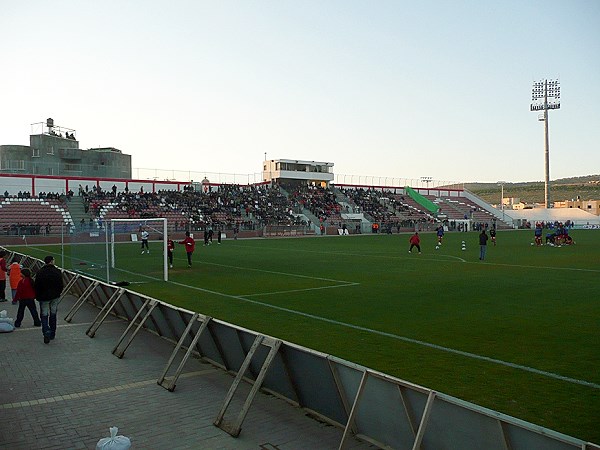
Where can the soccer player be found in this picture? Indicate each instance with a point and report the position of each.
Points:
(170, 248)
(440, 234)
(145, 241)
(538, 234)
(190, 245)
(493, 235)
(415, 241)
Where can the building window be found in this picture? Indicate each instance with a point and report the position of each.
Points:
(51, 151)
(73, 167)
(35, 153)
(16, 164)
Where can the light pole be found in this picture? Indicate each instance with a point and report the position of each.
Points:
(502, 183)
(545, 95)
(427, 180)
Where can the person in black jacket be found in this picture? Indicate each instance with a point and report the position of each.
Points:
(48, 288)
(483, 238)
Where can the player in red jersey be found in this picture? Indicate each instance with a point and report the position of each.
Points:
(190, 245)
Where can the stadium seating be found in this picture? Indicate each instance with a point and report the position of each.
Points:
(459, 208)
(254, 207)
(33, 216)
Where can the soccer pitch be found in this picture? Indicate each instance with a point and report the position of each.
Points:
(517, 333)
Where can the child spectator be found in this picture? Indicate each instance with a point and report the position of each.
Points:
(26, 297)
(15, 277)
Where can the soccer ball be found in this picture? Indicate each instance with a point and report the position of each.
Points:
(437, 247)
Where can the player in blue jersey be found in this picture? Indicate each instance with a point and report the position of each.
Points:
(440, 234)
(537, 234)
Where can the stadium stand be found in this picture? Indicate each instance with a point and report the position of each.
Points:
(463, 208)
(28, 215)
(321, 203)
(246, 208)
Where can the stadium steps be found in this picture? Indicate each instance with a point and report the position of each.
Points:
(314, 220)
(284, 192)
(343, 200)
(446, 204)
(77, 210)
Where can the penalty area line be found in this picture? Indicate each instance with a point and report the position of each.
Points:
(430, 345)
(274, 272)
(389, 335)
(488, 359)
(300, 290)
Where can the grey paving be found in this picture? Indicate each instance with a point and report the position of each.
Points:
(66, 395)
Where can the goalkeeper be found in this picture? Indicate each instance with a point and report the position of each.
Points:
(190, 245)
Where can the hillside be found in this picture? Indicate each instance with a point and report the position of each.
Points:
(586, 187)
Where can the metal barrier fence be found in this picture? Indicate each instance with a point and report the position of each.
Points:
(374, 407)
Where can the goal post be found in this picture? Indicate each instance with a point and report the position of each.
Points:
(131, 227)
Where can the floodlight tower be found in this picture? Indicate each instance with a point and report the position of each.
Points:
(545, 95)
(502, 183)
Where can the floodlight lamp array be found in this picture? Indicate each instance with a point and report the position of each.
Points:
(542, 107)
(544, 90)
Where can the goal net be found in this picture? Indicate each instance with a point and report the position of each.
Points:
(136, 250)
(111, 250)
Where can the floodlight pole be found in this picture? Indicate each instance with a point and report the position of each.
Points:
(541, 91)
(502, 183)
(546, 149)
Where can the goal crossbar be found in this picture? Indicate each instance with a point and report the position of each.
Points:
(110, 242)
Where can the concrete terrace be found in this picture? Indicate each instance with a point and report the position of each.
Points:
(66, 395)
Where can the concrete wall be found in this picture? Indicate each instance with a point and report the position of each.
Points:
(53, 155)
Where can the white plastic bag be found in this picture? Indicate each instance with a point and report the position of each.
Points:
(6, 327)
(113, 442)
(7, 324)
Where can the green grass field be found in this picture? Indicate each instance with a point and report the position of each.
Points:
(517, 333)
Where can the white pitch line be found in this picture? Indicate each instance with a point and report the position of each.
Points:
(391, 335)
(570, 269)
(420, 258)
(300, 290)
(399, 338)
(371, 255)
(275, 272)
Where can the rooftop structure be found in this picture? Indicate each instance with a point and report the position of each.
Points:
(290, 171)
(54, 150)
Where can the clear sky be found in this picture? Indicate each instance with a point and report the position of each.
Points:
(381, 88)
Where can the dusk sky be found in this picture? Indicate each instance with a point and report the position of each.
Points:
(380, 88)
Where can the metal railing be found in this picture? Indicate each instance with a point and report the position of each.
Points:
(377, 408)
